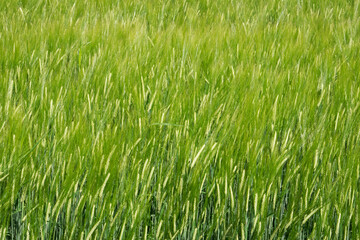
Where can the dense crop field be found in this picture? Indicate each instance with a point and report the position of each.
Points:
(216, 119)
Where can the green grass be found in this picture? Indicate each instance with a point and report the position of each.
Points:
(190, 119)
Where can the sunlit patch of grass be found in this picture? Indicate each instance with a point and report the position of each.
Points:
(179, 119)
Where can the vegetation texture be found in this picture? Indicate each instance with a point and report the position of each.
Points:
(182, 119)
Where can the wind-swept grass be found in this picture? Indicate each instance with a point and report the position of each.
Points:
(179, 119)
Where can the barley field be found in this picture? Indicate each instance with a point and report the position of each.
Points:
(179, 119)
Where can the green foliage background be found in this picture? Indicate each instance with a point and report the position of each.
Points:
(190, 119)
